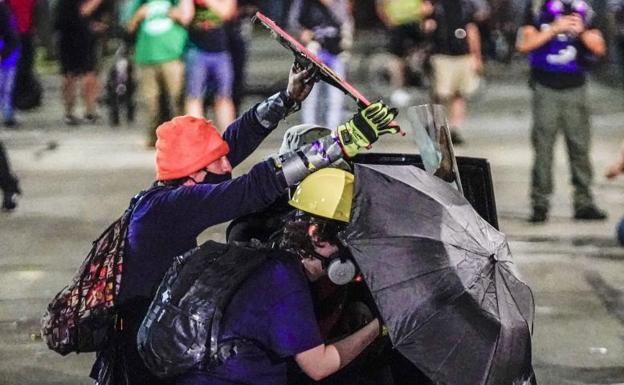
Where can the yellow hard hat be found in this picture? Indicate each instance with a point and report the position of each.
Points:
(326, 193)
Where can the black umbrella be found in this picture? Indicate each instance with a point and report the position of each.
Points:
(442, 278)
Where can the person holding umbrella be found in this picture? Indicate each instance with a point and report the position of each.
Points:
(442, 279)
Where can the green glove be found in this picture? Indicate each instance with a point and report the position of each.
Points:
(365, 128)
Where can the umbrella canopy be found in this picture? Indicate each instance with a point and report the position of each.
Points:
(442, 278)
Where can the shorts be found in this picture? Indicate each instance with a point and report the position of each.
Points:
(403, 38)
(453, 75)
(208, 70)
(78, 56)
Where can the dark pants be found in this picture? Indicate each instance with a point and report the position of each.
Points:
(565, 110)
(238, 52)
(8, 181)
(27, 90)
(121, 362)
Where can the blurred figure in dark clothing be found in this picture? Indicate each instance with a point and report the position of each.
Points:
(616, 19)
(456, 61)
(80, 23)
(326, 28)
(403, 20)
(8, 182)
(237, 37)
(9, 55)
(28, 91)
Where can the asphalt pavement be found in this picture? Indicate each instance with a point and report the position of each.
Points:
(76, 180)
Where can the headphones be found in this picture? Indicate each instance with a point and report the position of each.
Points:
(340, 269)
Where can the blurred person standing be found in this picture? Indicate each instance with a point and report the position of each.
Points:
(28, 90)
(613, 169)
(615, 10)
(159, 26)
(9, 56)
(80, 23)
(8, 181)
(403, 19)
(456, 60)
(238, 31)
(326, 28)
(561, 38)
(208, 61)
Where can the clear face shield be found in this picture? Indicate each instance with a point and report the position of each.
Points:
(432, 135)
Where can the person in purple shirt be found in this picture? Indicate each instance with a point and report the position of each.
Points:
(561, 39)
(194, 191)
(271, 317)
(9, 56)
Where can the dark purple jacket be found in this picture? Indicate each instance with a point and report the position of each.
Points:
(167, 221)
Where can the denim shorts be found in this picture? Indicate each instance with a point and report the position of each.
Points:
(208, 70)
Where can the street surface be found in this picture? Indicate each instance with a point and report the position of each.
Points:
(77, 180)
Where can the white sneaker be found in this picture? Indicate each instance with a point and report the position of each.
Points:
(400, 98)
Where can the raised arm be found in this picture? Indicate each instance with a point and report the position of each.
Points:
(225, 9)
(138, 15)
(183, 13)
(88, 7)
(530, 38)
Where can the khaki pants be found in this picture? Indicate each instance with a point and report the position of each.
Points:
(453, 76)
(566, 110)
(154, 80)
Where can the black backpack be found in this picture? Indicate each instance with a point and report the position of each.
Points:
(182, 326)
(81, 317)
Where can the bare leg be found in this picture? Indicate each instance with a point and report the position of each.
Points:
(225, 112)
(194, 107)
(90, 91)
(397, 72)
(69, 93)
(457, 112)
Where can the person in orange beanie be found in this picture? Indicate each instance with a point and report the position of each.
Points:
(194, 190)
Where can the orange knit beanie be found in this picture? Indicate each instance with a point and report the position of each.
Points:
(185, 145)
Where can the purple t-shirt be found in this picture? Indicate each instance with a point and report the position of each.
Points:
(274, 308)
(558, 64)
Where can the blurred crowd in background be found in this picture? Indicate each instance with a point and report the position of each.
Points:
(191, 56)
(83, 35)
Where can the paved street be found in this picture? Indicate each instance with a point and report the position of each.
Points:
(77, 180)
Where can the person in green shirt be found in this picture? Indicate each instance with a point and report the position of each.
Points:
(402, 19)
(160, 42)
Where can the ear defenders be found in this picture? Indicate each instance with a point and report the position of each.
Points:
(341, 271)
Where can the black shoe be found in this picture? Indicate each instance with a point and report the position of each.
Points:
(9, 201)
(540, 215)
(590, 213)
(456, 138)
(11, 123)
(91, 118)
(71, 120)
